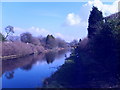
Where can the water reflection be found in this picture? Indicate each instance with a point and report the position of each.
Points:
(50, 57)
(9, 75)
(10, 65)
(26, 63)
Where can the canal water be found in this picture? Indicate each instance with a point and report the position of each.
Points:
(31, 71)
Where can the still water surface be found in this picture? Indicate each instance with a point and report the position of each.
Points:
(30, 72)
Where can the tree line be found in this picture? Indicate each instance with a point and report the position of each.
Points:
(27, 43)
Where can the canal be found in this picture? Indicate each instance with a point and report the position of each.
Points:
(31, 71)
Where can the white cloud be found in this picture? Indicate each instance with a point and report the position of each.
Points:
(107, 9)
(68, 38)
(73, 19)
(59, 35)
(36, 31)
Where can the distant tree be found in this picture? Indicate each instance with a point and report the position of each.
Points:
(51, 42)
(26, 37)
(35, 41)
(95, 21)
(9, 30)
(74, 42)
(61, 43)
(80, 40)
(42, 40)
(9, 75)
(50, 57)
(2, 38)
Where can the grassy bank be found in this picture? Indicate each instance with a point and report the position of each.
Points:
(83, 73)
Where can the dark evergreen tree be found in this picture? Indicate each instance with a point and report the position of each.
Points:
(50, 42)
(95, 21)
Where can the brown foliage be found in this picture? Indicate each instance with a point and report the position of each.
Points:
(19, 48)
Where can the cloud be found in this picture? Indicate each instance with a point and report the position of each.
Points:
(59, 35)
(72, 19)
(36, 31)
(107, 9)
(68, 38)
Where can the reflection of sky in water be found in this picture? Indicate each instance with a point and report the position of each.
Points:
(0, 83)
(33, 77)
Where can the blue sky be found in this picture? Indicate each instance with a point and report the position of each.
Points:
(67, 20)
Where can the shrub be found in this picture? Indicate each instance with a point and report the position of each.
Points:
(19, 48)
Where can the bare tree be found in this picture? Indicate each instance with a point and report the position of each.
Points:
(9, 30)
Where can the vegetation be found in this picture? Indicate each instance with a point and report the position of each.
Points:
(19, 49)
(90, 63)
(2, 38)
(28, 38)
(51, 42)
(94, 62)
(73, 43)
(26, 44)
(61, 43)
(9, 30)
(95, 22)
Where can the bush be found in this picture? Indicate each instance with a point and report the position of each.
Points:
(19, 48)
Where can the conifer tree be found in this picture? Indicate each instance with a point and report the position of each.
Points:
(95, 21)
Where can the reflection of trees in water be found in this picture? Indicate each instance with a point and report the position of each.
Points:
(25, 63)
(50, 56)
(9, 75)
(27, 67)
(61, 53)
(0, 67)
